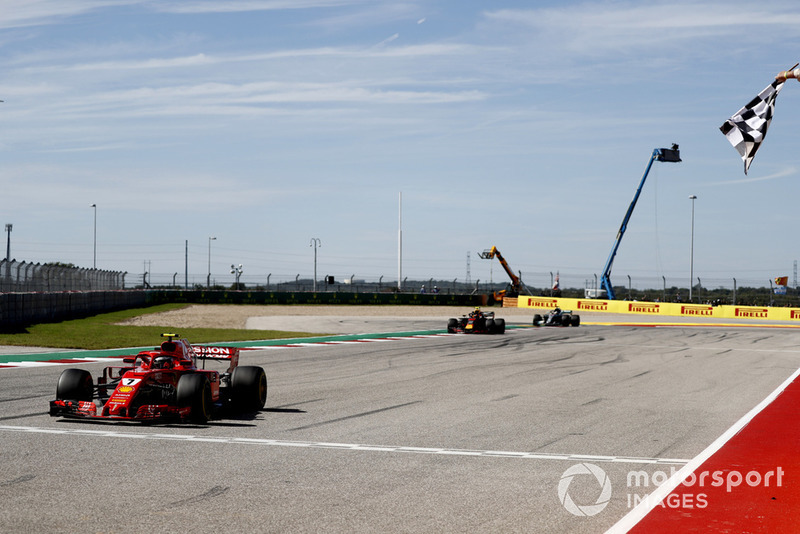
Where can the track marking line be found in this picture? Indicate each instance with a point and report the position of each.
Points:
(361, 447)
(63, 358)
(692, 325)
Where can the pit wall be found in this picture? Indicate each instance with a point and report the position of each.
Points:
(666, 309)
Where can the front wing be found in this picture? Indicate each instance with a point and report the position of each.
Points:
(88, 410)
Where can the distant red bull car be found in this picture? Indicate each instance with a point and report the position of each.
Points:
(477, 322)
(164, 384)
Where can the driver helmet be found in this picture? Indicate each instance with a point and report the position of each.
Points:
(162, 362)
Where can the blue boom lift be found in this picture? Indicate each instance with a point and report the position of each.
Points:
(659, 154)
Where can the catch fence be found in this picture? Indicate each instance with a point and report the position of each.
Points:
(17, 277)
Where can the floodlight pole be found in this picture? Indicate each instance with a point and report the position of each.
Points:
(400, 242)
(8, 243)
(94, 264)
(208, 280)
(315, 242)
(691, 250)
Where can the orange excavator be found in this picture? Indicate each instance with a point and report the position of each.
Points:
(516, 284)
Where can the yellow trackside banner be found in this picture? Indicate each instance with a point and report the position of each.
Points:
(666, 309)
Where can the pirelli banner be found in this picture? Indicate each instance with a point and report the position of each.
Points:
(666, 309)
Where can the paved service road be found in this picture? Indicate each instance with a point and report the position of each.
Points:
(432, 434)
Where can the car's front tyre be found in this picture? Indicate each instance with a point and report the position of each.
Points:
(74, 384)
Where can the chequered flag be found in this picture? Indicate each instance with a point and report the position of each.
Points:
(748, 127)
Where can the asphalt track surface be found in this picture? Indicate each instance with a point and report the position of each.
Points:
(439, 433)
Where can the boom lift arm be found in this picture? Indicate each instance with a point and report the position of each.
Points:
(659, 154)
(516, 283)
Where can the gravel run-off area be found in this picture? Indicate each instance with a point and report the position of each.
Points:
(236, 316)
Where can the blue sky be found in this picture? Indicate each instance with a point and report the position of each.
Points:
(525, 125)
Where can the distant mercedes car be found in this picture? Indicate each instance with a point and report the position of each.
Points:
(164, 384)
(557, 317)
(477, 322)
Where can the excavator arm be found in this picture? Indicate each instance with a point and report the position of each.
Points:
(492, 253)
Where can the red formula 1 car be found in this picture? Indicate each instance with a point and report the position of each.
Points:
(557, 317)
(477, 322)
(163, 384)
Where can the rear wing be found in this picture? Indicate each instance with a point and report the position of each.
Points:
(204, 352)
(216, 353)
(182, 348)
(488, 315)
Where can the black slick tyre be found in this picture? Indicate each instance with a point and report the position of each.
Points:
(537, 320)
(194, 391)
(499, 326)
(248, 388)
(452, 326)
(74, 384)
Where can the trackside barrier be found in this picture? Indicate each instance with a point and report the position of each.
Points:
(666, 309)
(28, 277)
(307, 297)
(19, 309)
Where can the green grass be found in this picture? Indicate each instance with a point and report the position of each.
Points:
(101, 332)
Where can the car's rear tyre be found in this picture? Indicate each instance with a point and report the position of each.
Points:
(452, 325)
(499, 326)
(576, 320)
(249, 388)
(537, 320)
(490, 326)
(194, 391)
(74, 384)
(566, 320)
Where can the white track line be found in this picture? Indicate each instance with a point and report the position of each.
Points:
(632, 518)
(65, 355)
(344, 446)
(47, 363)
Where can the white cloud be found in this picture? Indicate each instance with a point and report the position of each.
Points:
(152, 63)
(216, 6)
(21, 13)
(389, 39)
(203, 59)
(789, 171)
(597, 27)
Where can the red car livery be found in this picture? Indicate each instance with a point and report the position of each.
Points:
(163, 384)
